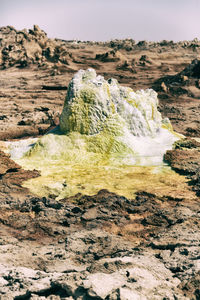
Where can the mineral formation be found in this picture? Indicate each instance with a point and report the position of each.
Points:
(104, 128)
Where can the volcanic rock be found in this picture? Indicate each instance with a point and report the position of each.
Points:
(185, 159)
(48, 62)
(22, 48)
(7, 165)
(12, 175)
(48, 250)
(80, 253)
(185, 82)
(192, 70)
(112, 56)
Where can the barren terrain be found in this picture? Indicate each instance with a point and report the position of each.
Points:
(103, 246)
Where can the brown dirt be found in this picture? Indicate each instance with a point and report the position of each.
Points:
(71, 239)
(32, 95)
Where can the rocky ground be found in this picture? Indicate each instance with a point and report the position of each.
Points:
(96, 247)
(103, 246)
(35, 72)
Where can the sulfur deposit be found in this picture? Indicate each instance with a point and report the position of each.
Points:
(102, 117)
(105, 129)
(94, 104)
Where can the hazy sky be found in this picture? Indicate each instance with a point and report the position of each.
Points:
(106, 19)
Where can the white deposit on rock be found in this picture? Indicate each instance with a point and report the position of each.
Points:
(102, 285)
(104, 130)
(104, 118)
(128, 121)
(93, 103)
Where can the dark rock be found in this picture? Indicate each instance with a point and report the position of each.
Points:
(183, 83)
(185, 159)
(187, 143)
